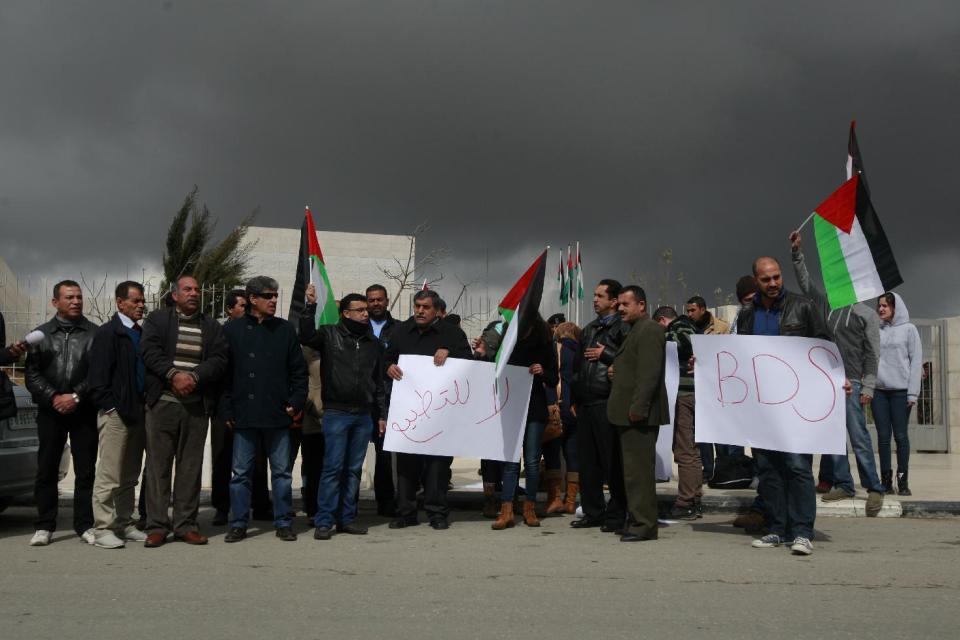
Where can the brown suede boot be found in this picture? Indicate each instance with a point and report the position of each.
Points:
(530, 514)
(489, 500)
(554, 503)
(505, 519)
(573, 488)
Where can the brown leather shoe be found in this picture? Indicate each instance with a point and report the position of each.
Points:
(489, 500)
(530, 514)
(573, 487)
(155, 540)
(505, 519)
(192, 537)
(554, 502)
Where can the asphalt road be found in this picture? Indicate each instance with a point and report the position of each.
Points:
(877, 578)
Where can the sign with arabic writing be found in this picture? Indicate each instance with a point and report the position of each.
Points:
(458, 409)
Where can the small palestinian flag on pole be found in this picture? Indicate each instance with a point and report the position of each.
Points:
(312, 270)
(564, 292)
(855, 256)
(579, 274)
(519, 308)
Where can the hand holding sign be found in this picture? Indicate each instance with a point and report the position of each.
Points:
(772, 392)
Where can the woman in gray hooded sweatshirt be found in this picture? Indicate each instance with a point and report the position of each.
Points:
(898, 384)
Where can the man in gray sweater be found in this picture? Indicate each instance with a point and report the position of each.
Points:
(856, 330)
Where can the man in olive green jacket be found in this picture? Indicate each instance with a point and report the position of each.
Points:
(638, 406)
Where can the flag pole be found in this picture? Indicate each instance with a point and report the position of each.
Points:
(804, 223)
(576, 309)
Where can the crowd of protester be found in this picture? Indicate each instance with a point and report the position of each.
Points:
(136, 396)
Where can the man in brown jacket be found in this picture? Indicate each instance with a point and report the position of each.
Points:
(638, 405)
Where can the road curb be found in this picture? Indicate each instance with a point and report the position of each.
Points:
(853, 508)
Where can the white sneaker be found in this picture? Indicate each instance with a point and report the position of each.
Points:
(40, 539)
(768, 541)
(108, 540)
(801, 547)
(133, 534)
(89, 536)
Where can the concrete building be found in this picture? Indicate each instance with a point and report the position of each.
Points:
(353, 260)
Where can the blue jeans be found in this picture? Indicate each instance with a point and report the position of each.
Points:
(862, 449)
(565, 445)
(788, 492)
(345, 438)
(276, 445)
(890, 413)
(532, 448)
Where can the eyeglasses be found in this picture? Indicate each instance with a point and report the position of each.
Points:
(266, 295)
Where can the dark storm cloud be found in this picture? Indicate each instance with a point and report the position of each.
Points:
(709, 128)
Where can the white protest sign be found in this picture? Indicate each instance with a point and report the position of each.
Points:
(665, 439)
(457, 409)
(771, 392)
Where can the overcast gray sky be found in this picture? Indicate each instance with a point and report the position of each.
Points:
(712, 128)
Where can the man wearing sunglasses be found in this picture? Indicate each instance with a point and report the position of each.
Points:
(266, 390)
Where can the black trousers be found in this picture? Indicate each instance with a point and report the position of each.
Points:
(383, 474)
(598, 446)
(311, 468)
(435, 471)
(221, 451)
(53, 429)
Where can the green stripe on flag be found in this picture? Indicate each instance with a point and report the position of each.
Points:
(833, 264)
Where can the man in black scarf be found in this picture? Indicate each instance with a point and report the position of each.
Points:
(351, 377)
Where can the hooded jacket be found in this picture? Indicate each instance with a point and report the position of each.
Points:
(901, 353)
(855, 329)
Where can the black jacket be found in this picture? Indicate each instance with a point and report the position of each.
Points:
(59, 363)
(267, 373)
(112, 375)
(6, 357)
(799, 316)
(158, 344)
(533, 351)
(350, 366)
(592, 385)
(569, 364)
(407, 339)
(387, 329)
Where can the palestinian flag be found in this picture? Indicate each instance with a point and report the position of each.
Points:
(564, 292)
(311, 270)
(855, 256)
(579, 274)
(854, 160)
(570, 276)
(519, 308)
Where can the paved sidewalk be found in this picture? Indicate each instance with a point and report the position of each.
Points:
(934, 480)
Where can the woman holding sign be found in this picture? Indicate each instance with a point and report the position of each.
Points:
(898, 384)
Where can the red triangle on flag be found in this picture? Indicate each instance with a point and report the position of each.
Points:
(840, 209)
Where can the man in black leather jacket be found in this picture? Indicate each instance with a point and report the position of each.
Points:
(56, 376)
(786, 479)
(351, 377)
(598, 444)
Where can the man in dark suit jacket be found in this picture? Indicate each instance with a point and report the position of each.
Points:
(638, 406)
(185, 355)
